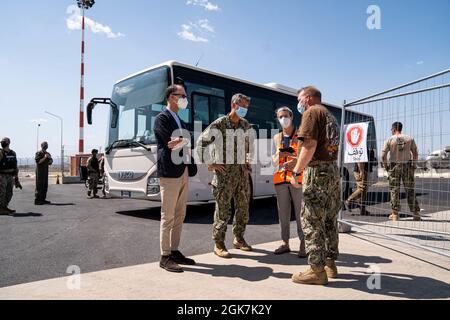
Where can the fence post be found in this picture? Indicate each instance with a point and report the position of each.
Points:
(343, 228)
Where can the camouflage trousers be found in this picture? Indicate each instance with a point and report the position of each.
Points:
(360, 194)
(6, 189)
(321, 205)
(235, 184)
(397, 174)
(93, 183)
(104, 185)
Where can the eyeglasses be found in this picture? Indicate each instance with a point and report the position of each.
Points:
(180, 95)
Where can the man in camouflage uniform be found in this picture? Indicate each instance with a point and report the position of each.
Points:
(9, 176)
(403, 162)
(321, 187)
(43, 161)
(228, 139)
(103, 175)
(93, 167)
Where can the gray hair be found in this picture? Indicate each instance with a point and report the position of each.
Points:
(284, 109)
(239, 97)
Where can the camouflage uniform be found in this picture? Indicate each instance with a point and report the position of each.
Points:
(362, 184)
(321, 187)
(321, 196)
(6, 189)
(93, 167)
(7, 179)
(401, 168)
(103, 175)
(235, 182)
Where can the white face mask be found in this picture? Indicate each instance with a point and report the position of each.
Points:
(183, 103)
(285, 122)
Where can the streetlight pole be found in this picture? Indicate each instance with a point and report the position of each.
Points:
(62, 147)
(83, 5)
(37, 137)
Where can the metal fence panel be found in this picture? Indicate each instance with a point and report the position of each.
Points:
(423, 107)
(27, 166)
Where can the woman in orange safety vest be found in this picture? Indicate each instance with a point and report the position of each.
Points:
(285, 157)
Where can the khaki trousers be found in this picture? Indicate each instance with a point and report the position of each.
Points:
(286, 195)
(174, 196)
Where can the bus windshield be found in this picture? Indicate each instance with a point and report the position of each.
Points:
(140, 99)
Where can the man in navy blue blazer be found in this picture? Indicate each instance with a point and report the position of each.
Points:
(174, 178)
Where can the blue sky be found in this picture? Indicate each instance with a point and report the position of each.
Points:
(292, 42)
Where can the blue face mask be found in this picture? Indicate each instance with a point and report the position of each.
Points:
(241, 112)
(300, 108)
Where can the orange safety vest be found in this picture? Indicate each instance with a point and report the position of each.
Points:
(282, 175)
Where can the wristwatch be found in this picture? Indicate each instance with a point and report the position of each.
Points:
(295, 174)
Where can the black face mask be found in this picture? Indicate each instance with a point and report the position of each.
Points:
(5, 145)
(44, 148)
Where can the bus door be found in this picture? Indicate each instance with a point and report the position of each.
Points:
(205, 109)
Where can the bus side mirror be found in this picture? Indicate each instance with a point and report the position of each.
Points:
(89, 108)
(115, 110)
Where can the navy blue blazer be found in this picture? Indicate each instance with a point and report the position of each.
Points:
(164, 127)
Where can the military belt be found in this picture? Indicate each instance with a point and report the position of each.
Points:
(320, 162)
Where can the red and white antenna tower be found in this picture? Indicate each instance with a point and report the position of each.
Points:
(83, 5)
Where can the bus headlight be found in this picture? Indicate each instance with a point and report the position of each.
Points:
(153, 185)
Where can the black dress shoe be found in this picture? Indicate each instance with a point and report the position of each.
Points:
(168, 264)
(179, 258)
(39, 203)
(46, 202)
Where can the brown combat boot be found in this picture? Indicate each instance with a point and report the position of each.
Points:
(394, 216)
(331, 269)
(221, 251)
(240, 243)
(314, 275)
(10, 210)
(302, 251)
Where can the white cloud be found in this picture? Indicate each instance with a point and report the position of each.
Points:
(187, 34)
(204, 24)
(196, 32)
(419, 62)
(74, 22)
(204, 3)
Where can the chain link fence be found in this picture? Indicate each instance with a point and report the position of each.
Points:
(27, 166)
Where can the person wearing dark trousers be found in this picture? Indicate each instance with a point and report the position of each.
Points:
(93, 167)
(43, 161)
(174, 178)
(9, 176)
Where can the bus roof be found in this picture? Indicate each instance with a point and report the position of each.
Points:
(270, 86)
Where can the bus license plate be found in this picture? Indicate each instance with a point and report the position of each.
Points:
(126, 194)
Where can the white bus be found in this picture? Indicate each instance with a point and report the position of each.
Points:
(131, 164)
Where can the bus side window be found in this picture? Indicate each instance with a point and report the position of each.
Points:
(262, 113)
(201, 109)
(217, 108)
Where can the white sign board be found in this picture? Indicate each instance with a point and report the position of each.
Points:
(355, 144)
